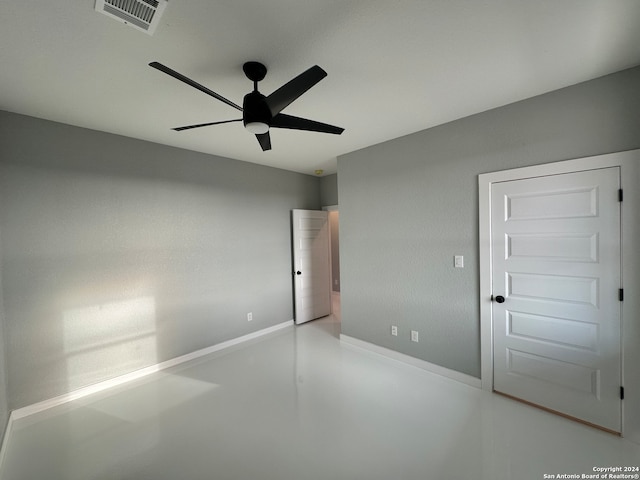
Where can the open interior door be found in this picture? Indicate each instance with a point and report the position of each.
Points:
(311, 270)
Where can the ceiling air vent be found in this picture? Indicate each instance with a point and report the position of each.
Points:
(140, 14)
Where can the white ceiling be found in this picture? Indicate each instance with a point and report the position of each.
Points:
(394, 67)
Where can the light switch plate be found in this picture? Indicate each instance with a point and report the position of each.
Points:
(458, 261)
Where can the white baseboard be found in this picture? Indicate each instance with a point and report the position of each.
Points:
(128, 377)
(416, 362)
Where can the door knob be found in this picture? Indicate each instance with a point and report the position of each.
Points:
(499, 299)
(298, 272)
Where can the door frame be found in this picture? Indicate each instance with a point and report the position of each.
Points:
(629, 163)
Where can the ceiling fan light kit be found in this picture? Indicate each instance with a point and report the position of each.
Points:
(257, 127)
(261, 113)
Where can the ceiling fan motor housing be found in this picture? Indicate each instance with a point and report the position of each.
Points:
(255, 109)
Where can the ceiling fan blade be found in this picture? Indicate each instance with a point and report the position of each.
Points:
(188, 127)
(296, 123)
(265, 141)
(188, 81)
(291, 90)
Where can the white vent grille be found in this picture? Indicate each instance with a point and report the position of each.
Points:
(140, 14)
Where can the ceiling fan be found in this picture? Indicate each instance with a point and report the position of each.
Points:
(260, 113)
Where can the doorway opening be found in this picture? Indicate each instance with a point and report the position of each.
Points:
(334, 259)
(316, 266)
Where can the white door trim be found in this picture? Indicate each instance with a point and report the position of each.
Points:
(629, 163)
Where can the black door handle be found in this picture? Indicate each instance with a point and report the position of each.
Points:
(499, 299)
(298, 272)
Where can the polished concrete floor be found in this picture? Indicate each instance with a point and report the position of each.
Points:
(298, 404)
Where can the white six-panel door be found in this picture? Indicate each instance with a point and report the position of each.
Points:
(312, 282)
(555, 244)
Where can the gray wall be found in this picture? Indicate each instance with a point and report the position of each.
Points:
(409, 205)
(329, 190)
(118, 253)
(4, 396)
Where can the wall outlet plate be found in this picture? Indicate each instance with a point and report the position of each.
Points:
(414, 335)
(394, 330)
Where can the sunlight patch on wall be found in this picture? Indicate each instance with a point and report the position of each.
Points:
(105, 340)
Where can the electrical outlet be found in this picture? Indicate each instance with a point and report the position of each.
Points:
(394, 330)
(249, 316)
(414, 335)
